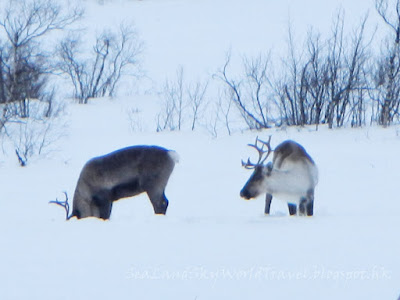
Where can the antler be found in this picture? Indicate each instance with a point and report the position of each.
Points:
(261, 152)
(64, 204)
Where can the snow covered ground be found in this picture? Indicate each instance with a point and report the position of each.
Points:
(211, 244)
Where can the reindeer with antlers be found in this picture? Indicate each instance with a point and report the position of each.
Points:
(123, 173)
(291, 175)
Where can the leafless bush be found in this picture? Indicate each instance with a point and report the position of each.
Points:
(196, 93)
(34, 136)
(135, 120)
(326, 83)
(220, 118)
(170, 116)
(323, 82)
(387, 67)
(24, 57)
(114, 55)
(27, 102)
(181, 101)
(250, 92)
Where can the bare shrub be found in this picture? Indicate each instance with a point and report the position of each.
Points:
(250, 92)
(24, 57)
(114, 55)
(181, 103)
(36, 135)
(387, 67)
(324, 81)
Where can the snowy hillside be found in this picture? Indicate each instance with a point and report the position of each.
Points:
(211, 244)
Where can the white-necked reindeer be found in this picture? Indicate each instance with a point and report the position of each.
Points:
(292, 176)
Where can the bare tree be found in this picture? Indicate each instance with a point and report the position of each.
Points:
(115, 54)
(196, 94)
(326, 83)
(390, 13)
(302, 90)
(223, 112)
(166, 118)
(292, 89)
(346, 74)
(181, 101)
(250, 92)
(23, 56)
(173, 104)
(387, 76)
(357, 81)
(34, 136)
(177, 93)
(316, 79)
(29, 108)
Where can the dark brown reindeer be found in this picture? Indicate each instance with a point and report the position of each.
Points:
(292, 175)
(123, 173)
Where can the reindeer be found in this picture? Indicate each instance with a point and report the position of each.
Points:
(123, 173)
(292, 175)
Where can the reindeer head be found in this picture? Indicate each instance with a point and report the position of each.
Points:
(254, 186)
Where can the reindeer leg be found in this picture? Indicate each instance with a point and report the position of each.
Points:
(268, 200)
(302, 206)
(159, 202)
(102, 205)
(82, 209)
(310, 202)
(292, 209)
